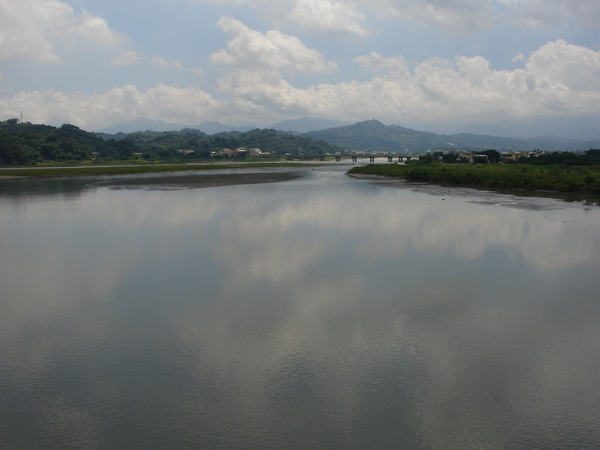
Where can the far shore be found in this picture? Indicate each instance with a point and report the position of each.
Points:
(29, 172)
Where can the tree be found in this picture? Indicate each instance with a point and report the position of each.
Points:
(493, 155)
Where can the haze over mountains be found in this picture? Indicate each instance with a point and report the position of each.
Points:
(143, 124)
(301, 125)
(581, 133)
(582, 126)
(372, 135)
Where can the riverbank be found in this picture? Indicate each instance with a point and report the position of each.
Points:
(584, 180)
(129, 169)
(199, 180)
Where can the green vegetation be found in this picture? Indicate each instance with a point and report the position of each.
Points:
(30, 144)
(589, 158)
(576, 179)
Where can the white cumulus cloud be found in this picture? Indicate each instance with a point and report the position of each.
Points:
(31, 30)
(93, 29)
(165, 64)
(558, 78)
(116, 105)
(437, 89)
(454, 16)
(327, 17)
(519, 57)
(378, 63)
(127, 58)
(330, 17)
(274, 49)
(559, 64)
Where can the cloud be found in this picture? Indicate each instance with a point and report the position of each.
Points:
(454, 16)
(94, 29)
(114, 106)
(345, 16)
(543, 12)
(164, 64)
(560, 65)
(130, 57)
(30, 30)
(558, 78)
(274, 49)
(378, 63)
(327, 17)
(197, 70)
(457, 16)
(519, 57)
(127, 58)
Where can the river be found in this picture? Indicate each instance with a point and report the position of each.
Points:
(319, 312)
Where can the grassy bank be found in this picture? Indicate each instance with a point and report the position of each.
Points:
(572, 179)
(117, 170)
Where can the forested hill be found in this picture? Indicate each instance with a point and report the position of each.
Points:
(372, 135)
(26, 143)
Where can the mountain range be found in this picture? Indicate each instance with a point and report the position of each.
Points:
(143, 124)
(301, 125)
(579, 127)
(372, 135)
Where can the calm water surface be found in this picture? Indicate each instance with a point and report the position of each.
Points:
(323, 312)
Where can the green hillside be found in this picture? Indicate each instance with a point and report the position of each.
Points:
(373, 136)
(29, 144)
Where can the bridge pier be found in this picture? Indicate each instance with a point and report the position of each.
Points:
(321, 158)
(390, 158)
(354, 158)
(372, 158)
(338, 158)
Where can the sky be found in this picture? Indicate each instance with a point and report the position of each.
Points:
(420, 63)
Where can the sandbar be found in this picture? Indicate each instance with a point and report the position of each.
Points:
(196, 181)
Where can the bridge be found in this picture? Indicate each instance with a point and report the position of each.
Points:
(390, 158)
(338, 158)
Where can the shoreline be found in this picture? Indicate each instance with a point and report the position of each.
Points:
(177, 182)
(52, 172)
(569, 183)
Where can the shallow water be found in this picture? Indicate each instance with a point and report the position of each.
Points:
(322, 312)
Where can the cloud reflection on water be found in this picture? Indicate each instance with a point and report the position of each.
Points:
(368, 315)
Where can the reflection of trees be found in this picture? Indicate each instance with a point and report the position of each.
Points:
(42, 187)
(354, 311)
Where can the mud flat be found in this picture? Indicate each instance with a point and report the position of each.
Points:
(199, 180)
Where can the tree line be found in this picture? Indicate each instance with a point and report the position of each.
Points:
(588, 158)
(29, 144)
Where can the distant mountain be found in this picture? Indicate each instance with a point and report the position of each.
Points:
(218, 127)
(372, 135)
(213, 127)
(142, 124)
(579, 127)
(545, 134)
(306, 124)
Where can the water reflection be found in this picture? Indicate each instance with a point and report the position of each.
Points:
(322, 312)
(17, 187)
